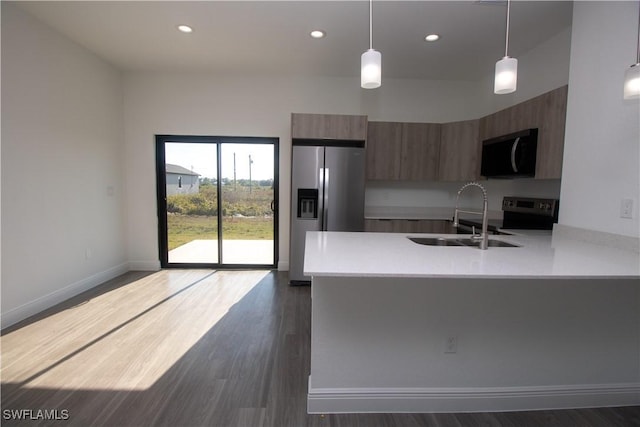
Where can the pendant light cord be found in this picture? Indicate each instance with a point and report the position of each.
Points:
(506, 44)
(370, 24)
(638, 45)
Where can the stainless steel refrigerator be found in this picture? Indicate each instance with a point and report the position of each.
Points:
(327, 194)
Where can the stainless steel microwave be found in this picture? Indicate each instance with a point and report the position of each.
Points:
(510, 156)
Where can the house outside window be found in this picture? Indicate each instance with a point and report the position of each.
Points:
(181, 180)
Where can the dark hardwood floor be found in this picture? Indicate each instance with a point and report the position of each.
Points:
(250, 368)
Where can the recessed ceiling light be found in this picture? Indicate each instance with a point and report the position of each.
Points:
(317, 34)
(185, 29)
(432, 37)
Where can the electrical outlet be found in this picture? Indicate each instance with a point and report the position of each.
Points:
(451, 346)
(626, 208)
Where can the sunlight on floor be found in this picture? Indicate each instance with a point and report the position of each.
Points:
(126, 338)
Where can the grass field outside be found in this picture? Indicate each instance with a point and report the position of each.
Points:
(182, 229)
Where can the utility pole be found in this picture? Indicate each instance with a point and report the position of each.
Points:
(250, 163)
(234, 172)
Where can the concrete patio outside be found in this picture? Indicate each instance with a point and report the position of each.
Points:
(250, 252)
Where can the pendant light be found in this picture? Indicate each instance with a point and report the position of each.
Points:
(632, 75)
(371, 60)
(506, 77)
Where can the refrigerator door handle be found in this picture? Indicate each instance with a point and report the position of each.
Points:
(321, 197)
(325, 201)
(323, 209)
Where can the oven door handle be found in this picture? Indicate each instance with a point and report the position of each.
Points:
(514, 147)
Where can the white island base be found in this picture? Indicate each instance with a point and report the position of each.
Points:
(456, 344)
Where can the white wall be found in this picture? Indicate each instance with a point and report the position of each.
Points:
(207, 104)
(62, 202)
(543, 68)
(601, 158)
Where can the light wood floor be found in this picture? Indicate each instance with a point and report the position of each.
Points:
(198, 348)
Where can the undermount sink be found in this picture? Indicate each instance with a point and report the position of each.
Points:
(454, 241)
(436, 241)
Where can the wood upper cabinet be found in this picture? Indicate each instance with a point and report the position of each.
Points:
(328, 126)
(383, 150)
(552, 111)
(546, 112)
(460, 151)
(403, 151)
(420, 151)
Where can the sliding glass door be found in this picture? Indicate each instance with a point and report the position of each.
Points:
(217, 201)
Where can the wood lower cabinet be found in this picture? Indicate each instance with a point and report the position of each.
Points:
(408, 226)
(328, 126)
(460, 151)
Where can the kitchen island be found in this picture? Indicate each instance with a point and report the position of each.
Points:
(402, 327)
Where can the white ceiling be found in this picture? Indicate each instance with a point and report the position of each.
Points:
(272, 36)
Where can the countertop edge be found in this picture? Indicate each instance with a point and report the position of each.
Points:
(472, 276)
(392, 255)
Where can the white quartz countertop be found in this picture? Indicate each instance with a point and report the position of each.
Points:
(540, 255)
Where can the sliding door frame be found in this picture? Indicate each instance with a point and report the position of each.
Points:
(161, 196)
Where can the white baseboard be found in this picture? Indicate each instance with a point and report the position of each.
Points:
(17, 314)
(144, 265)
(480, 399)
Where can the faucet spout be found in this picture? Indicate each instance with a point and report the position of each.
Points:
(484, 236)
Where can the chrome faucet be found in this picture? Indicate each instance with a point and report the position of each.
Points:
(484, 236)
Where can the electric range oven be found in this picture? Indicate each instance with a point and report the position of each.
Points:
(519, 213)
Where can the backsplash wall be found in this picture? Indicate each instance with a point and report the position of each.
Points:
(443, 194)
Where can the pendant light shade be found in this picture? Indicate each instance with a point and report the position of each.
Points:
(371, 69)
(632, 75)
(632, 82)
(506, 77)
(371, 60)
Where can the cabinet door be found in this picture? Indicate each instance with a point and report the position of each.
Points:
(383, 150)
(552, 118)
(307, 126)
(379, 225)
(346, 127)
(407, 226)
(420, 151)
(438, 226)
(496, 124)
(460, 151)
(331, 126)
